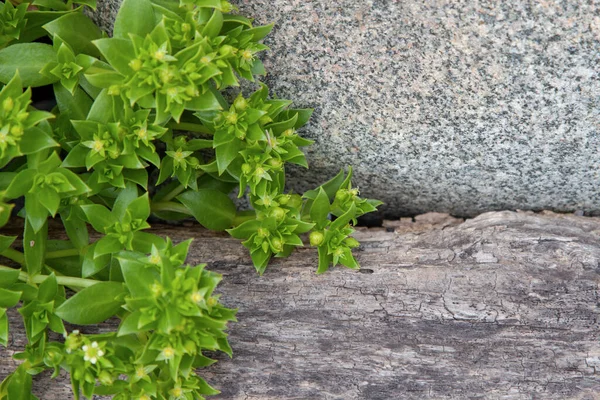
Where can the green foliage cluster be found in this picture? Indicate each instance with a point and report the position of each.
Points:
(141, 128)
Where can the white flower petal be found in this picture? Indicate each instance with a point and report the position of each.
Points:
(100, 353)
(85, 347)
(93, 360)
(86, 358)
(94, 344)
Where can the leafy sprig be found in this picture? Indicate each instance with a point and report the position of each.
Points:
(141, 128)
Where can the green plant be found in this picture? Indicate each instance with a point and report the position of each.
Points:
(141, 128)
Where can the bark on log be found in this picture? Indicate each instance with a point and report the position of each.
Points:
(503, 306)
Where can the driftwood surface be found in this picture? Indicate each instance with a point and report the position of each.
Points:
(502, 306)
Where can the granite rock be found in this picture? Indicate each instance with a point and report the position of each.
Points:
(458, 107)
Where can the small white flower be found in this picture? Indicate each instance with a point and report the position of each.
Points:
(92, 352)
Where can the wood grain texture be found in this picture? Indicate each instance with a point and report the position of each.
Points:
(502, 306)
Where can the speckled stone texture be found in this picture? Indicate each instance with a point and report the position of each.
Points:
(458, 107)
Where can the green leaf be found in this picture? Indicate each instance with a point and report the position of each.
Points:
(35, 21)
(206, 102)
(320, 208)
(102, 108)
(348, 260)
(48, 289)
(118, 53)
(75, 106)
(214, 25)
(245, 229)
(343, 219)
(140, 207)
(20, 184)
(91, 265)
(260, 259)
(107, 245)
(8, 277)
(35, 211)
(34, 139)
(138, 277)
(227, 152)
(3, 327)
(213, 209)
(93, 304)
(131, 324)
(124, 199)
(324, 259)
(260, 32)
(28, 59)
(330, 187)
(78, 31)
(34, 247)
(5, 242)
(9, 298)
(76, 229)
(19, 385)
(134, 16)
(98, 216)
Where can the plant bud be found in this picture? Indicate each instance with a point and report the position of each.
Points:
(114, 90)
(295, 201)
(284, 199)
(246, 169)
(211, 302)
(225, 50)
(105, 378)
(341, 195)
(240, 103)
(351, 242)
(8, 105)
(135, 64)
(278, 213)
(275, 163)
(277, 245)
(179, 142)
(316, 238)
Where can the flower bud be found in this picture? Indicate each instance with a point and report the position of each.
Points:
(240, 103)
(295, 201)
(179, 142)
(341, 195)
(284, 199)
(225, 50)
(246, 169)
(316, 238)
(262, 232)
(277, 245)
(8, 104)
(278, 213)
(351, 242)
(275, 163)
(105, 378)
(135, 64)
(211, 302)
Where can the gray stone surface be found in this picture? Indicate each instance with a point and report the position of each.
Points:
(459, 107)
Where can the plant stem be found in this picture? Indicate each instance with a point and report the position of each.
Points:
(173, 193)
(14, 255)
(61, 280)
(190, 127)
(62, 253)
(170, 206)
(243, 216)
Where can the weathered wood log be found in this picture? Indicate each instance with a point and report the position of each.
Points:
(503, 306)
